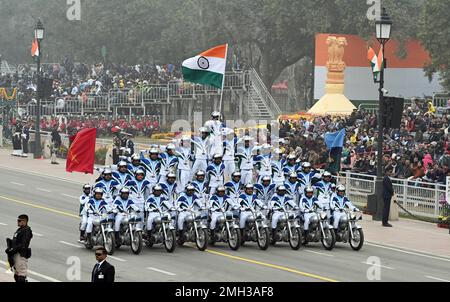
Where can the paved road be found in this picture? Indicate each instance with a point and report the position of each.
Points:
(53, 206)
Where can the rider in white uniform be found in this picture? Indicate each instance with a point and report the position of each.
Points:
(202, 150)
(184, 154)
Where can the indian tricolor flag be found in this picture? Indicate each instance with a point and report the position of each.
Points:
(373, 59)
(35, 48)
(207, 68)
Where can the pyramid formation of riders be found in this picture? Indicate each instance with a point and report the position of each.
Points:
(212, 188)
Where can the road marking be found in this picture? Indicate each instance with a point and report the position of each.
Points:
(1, 223)
(17, 183)
(319, 253)
(161, 271)
(39, 207)
(438, 279)
(70, 244)
(378, 265)
(286, 269)
(35, 273)
(408, 252)
(70, 196)
(43, 190)
(37, 234)
(117, 258)
(41, 175)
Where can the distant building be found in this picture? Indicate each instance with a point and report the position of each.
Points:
(403, 77)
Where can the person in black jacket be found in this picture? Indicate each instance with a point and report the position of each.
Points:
(18, 249)
(388, 192)
(103, 271)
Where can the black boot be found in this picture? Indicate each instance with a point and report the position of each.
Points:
(82, 235)
(274, 237)
(16, 277)
(21, 279)
(117, 238)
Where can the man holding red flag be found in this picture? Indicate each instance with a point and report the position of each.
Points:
(81, 155)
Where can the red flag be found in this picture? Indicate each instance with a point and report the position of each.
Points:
(81, 155)
(35, 48)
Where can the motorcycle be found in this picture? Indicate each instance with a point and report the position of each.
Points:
(102, 233)
(256, 229)
(350, 231)
(288, 230)
(320, 230)
(227, 230)
(163, 231)
(195, 230)
(130, 232)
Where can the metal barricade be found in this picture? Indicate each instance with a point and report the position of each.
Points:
(359, 186)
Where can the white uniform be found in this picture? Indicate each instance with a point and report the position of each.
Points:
(216, 135)
(215, 176)
(340, 203)
(278, 202)
(83, 211)
(217, 203)
(307, 208)
(184, 202)
(184, 166)
(122, 206)
(228, 159)
(153, 204)
(278, 174)
(246, 166)
(202, 153)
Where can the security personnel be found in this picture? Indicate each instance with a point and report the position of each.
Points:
(152, 165)
(324, 190)
(203, 146)
(187, 200)
(234, 187)
(122, 205)
(215, 173)
(293, 187)
(121, 175)
(18, 250)
(338, 204)
(156, 204)
(87, 189)
(169, 162)
(308, 205)
(184, 154)
(95, 206)
(245, 157)
(248, 201)
(218, 202)
(388, 192)
(103, 271)
(280, 201)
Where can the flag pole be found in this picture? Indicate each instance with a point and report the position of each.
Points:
(223, 80)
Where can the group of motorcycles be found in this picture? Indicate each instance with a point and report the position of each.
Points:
(289, 228)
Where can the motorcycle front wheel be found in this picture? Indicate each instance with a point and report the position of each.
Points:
(295, 241)
(169, 243)
(358, 239)
(329, 240)
(110, 244)
(136, 243)
(264, 239)
(202, 239)
(235, 239)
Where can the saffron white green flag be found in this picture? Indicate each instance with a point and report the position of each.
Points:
(376, 62)
(207, 68)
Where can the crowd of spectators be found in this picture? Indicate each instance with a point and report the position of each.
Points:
(419, 150)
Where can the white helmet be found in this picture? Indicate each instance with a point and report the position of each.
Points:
(309, 190)
(135, 157)
(122, 163)
(86, 187)
(107, 171)
(171, 175)
(217, 155)
(266, 178)
(215, 114)
(291, 156)
(340, 188)
(221, 188)
(124, 190)
(190, 187)
(203, 130)
(306, 165)
(98, 190)
(326, 174)
(200, 173)
(237, 173)
(281, 188)
(170, 147)
(185, 138)
(249, 186)
(139, 171)
(157, 188)
(248, 138)
(293, 174)
(153, 151)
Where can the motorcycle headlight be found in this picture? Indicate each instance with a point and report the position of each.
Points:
(352, 216)
(189, 218)
(125, 220)
(220, 219)
(323, 216)
(96, 221)
(157, 220)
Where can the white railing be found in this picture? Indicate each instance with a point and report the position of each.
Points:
(420, 198)
(441, 99)
(266, 97)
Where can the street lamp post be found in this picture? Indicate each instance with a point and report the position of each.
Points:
(383, 34)
(39, 36)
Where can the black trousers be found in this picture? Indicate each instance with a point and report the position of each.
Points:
(386, 209)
